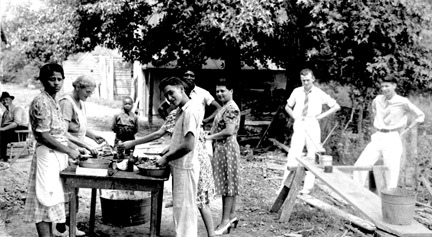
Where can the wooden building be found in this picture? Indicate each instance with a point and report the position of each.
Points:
(257, 85)
(113, 75)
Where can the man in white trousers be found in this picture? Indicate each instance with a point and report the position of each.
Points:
(305, 107)
(390, 112)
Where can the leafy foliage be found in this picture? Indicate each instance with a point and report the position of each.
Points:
(187, 31)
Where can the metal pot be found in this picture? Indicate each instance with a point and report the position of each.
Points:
(159, 172)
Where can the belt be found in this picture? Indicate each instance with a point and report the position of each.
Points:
(388, 130)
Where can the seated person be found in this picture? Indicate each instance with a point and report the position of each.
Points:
(14, 118)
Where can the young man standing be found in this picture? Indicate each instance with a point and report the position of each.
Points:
(205, 99)
(390, 112)
(182, 157)
(305, 107)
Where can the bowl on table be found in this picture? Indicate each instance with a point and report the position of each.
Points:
(149, 168)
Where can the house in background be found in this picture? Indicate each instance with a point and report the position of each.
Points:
(258, 85)
(112, 74)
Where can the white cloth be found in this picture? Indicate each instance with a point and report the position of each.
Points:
(184, 191)
(387, 145)
(49, 187)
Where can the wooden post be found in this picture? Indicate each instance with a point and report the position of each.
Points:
(283, 193)
(288, 205)
(150, 108)
(408, 172)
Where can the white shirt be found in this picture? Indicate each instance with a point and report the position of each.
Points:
(317, 98)
(202, 96)
(393, 113)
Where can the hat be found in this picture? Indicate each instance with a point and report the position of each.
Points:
(5, 94)
(390, 78)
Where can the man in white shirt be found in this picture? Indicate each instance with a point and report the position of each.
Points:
(305, 106)
(390, 112)
(201, 95)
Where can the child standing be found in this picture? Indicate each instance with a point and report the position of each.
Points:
(182, 157)
(125, 124)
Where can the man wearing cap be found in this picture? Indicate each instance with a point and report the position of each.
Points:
(390, 112)
(14, 118)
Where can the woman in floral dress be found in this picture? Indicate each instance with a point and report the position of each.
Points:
(226, 154)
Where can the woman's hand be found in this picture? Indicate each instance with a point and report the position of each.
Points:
(98, 139)
(92, 150)
(83, 151)
(74, 154)
(125, 145)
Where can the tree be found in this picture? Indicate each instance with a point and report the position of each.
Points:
(37, 35)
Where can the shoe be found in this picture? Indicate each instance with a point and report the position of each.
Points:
(234, 222)
(224, 230)
(56, 233)
(79, 232)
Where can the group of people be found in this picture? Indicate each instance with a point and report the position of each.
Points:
(59, 126)
(390, 116)
(199, 173)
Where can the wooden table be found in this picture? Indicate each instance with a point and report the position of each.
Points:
(121, 180)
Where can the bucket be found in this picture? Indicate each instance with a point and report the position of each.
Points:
(124, 212)
(398, 206)
(327, 163)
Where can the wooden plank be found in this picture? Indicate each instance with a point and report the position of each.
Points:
(294, 190)
(283, 193)
(280, 145)
(367, 203)
(264, 135)
(364, 224)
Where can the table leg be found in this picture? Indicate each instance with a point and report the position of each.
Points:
(72, 212)
(92, 211)
(159, 210)
(154, 212)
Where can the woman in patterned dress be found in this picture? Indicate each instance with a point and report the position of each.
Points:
(46, 197)
(226, 154)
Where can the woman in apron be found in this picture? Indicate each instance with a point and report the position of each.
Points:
(46, 197)
(74, 114)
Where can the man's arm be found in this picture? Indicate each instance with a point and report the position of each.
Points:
(9, 126)
(185, 147)
(418, 114)
(332, 110)
(216, 108)
(289, 110)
